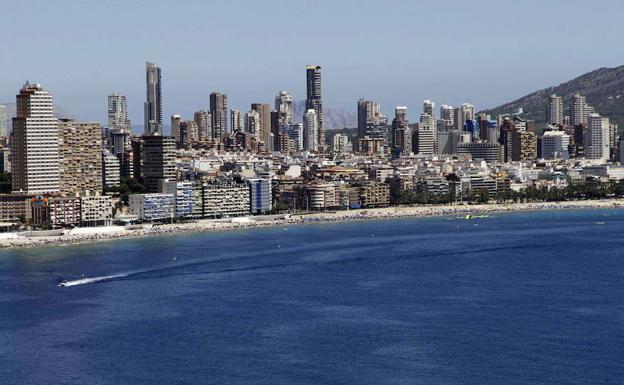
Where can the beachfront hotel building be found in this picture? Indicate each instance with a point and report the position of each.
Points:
(183, 193)
(261, 195)
(80, 157)
(35, 142)
(220, 198)
(96, 210)
(151, 207)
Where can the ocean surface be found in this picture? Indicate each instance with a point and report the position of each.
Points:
(525, 298)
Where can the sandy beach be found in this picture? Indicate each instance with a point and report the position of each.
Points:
(93, 234)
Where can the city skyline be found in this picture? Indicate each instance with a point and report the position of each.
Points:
(460, 61)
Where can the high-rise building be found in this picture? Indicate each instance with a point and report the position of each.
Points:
(4, 121)
(369, 115)
(219, 112)
(284, 103)
(295, 133)
(469, 111)
(524, 145)
(252, 122)
(401, 132)
(426, 136)
(597, 138)
(578, 110)
(459, 118)
(110, 170)
(429, 108)
(153, 106)
(314, 101)
(447, 113)
(264, 112)
(80, 157)
(310, 131)
(238, 120)
(204, 125)
(34, 142)
(118, 112)
(175, 127)
(157, 160)
(555, 110)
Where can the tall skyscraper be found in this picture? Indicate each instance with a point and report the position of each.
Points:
(238, 120)
(264, 110)
(284, 103)
(4, 121)
(80, 157)
(555, 109)
(34, 142)
(310, 130)
(578, 110)
(118, 112)
(219, 112)
(153, 105)
(204, 125)
(314, 101)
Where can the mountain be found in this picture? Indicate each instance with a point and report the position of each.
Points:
(604, 89)
(58, 113)
(333, 118)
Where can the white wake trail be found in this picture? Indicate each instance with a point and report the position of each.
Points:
(86, 281)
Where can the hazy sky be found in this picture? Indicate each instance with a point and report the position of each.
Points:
(396, 52)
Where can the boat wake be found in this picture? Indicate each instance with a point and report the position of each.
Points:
(86, 281)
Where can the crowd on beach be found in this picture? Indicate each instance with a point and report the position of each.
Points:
(117, 232)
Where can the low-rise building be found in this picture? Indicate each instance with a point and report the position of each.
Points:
(154, 206)
(96, 210)
(183, 192)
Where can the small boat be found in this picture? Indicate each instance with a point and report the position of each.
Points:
(470, 216)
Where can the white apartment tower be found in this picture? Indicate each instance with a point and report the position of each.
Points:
(597, 138)
(284, 103)
(579, 110)
(447, 114)
(555, 110)
(35, 142)
(310, 131)
(118, 112)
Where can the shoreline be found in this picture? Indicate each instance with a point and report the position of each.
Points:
(110, 233)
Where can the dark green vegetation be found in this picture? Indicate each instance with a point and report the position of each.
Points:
(604, 89)
(582, 191)
(126, 187)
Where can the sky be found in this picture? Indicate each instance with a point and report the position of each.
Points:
(394, 52)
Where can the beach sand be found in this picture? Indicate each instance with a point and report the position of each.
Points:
(92, 234)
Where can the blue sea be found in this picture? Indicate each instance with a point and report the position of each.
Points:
(525, 298)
